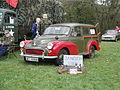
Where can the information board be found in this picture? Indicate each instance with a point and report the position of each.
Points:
(73, 60)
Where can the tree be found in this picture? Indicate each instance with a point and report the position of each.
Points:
(92, 12)
(28, 10)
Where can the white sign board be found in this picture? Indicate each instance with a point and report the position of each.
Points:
(73, 60)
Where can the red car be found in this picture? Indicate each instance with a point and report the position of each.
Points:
(62, 39)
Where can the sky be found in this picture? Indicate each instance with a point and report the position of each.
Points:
(100, 1)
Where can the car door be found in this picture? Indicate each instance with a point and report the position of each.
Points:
(77, 38)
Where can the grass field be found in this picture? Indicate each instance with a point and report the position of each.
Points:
(103, 73)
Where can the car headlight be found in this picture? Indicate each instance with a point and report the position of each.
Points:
(113, 36)
(22, 44)
(50, 46)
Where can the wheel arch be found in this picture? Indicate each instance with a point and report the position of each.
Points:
(69, 46)
(66, 49)
(93, 43)
(94, 47)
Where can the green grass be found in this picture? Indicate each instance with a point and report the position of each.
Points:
(103, 73)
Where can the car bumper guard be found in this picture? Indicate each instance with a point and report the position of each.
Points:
(39, 56)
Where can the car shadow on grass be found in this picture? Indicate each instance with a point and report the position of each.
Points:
(3, 58)
(44, 63)
(52, 62)
(87, 58)
(109, 41)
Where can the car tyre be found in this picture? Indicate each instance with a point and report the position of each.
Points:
(116, 39)
(92, 52)
(59, 60)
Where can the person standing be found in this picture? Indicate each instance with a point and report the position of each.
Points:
(117, 28)
(35, 28)
(45, 22)
(5, 42)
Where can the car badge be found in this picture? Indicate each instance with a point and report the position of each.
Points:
(34, 44)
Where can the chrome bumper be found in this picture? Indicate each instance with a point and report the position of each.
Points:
(39, 56)
(108, 39)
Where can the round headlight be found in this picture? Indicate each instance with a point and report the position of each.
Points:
(22, 44)
(50, 46)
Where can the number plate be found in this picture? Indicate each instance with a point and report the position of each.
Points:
(32, 59)
(108, 39)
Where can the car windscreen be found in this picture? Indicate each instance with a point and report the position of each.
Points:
(111, 32)
(57, 30)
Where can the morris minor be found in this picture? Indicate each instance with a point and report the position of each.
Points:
(62, 39)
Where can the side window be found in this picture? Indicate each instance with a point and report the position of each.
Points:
(89, 31)
(10, 18)
(86, 31)
(76, 32)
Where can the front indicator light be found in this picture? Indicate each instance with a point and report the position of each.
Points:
(49, 51)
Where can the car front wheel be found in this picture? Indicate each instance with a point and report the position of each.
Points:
(61, 54)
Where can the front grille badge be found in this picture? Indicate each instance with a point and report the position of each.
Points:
(34, 44)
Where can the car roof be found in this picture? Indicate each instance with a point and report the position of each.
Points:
(111, 30)
(72, 24)
(5, 10)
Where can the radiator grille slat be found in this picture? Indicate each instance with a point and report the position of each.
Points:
(34, 51)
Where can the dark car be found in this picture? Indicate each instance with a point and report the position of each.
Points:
(62, 39)
(112, 35)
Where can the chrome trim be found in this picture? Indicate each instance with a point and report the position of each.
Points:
(39, 56)
(35, 48)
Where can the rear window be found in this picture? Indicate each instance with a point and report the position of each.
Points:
(92, 31)
(89, 31)
(86, 31)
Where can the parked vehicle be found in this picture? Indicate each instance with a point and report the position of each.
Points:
(111, 35)
(62, 39)
(8, 21)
